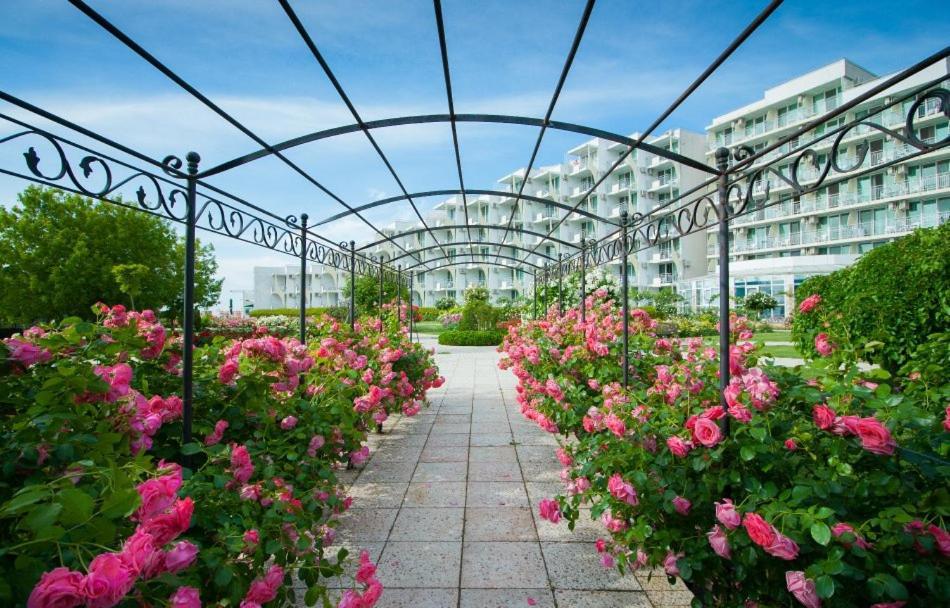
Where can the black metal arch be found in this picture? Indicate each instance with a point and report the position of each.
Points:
(453, 191)
(465, 244)
(462, 226)
(506, 119)
(480, 263)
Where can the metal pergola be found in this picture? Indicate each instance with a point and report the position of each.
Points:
(738, 184)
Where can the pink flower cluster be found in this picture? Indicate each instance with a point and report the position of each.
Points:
(768, 537)
(874, 436)
(146, 325)
(264, 589)
(27, 352)
(162, 517)
(289, 355)
(372, 588)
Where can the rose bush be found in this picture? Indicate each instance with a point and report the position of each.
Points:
(831, 489)
(93, 510)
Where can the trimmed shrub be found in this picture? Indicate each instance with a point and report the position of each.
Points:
(889, 301)
(428, 313)
(458, 337)
(337, 312)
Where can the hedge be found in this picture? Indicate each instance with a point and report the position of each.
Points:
(339, 312)
(456, 337)
(428, 313)
(897, 294)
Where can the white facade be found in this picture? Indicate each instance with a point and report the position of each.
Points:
(772, 249)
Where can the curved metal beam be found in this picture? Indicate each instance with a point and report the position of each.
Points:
(466, 254)
(462, 226)
(486, 263)
(452, 191)
(476, 118)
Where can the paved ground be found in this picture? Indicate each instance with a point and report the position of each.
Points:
(447, 506)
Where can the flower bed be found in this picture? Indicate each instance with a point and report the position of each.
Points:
(831, 489)
(93, 510)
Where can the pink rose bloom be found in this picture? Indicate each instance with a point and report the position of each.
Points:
(140, 555)
(263, 590)
(58, 588)
(790, 445)
(823, 345)
(288, 423)
(366, 570)
(316, 442)
(564, 458)
(946, 419)
(622, 490)
(682, 505)
(613, 524)
(669, 563)
(606, 560)
(802, 588)
(760, 531)
(241, 466)
(875, 437)
(180, 556)
(615, 424)
(26, 353)
(942, 539)
(360, 456)
(823, 416)
(167, 527)
(677, 446)
(706, 432)
(185, 597)
(549, 510)
(159, 493)
(228, 372)
(252, 538)
(809, 304)
(782, 547)
(215, 437)
(107, 582)
(250, 492)
(727, 515)
(899, 604)
(842, 528)
(719, 542)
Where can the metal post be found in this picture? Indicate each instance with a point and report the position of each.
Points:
(560, 282)
(382, 277)
(624, 287)
(188, 321)
(398, 295)
(722, 161)
(352, 285)
(303, 278)
(409, 308)
(534, 310)
(583, 280)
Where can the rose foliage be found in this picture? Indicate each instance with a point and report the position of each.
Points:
(102, 505)
(825, 491)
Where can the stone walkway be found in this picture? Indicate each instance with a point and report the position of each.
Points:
(446, 506)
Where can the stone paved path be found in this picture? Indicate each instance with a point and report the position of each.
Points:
(447, 507)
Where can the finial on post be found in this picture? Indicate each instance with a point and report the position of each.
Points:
(722, 159)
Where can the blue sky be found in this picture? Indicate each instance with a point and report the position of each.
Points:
(506, 56)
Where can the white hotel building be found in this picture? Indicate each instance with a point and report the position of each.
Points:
(773, 249)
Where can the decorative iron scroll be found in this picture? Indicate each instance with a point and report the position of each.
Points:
(105, 178)
(749, 189)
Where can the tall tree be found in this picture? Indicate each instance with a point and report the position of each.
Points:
(61, 253)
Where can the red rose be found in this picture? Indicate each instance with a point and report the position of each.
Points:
(760, 531)
(823, 416)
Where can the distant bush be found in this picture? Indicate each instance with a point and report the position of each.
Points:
(337, 312)
(428, 313)
(458, 337)
(891, 300)
(445, 303)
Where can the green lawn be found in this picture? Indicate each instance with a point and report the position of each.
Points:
(782, 351)
(429, 327)
(774, 336)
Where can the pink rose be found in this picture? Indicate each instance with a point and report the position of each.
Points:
(823, 345)
(288, 423)
(622, 490)
(802, 588)
(760, 531)
(167, 527)
(185, 597)
(180, 556)
(58, 588)
(790, 445)
(615, 424)
(669, 563)
(316, 442)
(140, 555)
(809, 304)
(107, 581)
(682, 505)
(366, 570)
(706, 432)
(875, 437)
(549, 510)
(842, 528)
(678, 447)
(719, 542)
(782, 547)
(823, 416)
(727, 515)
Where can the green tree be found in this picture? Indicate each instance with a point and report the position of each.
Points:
(758, 302)
(367, 292)
(131, 279)
(58, 252)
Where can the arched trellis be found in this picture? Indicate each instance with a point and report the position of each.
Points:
(406, 233)
(471, 263)
(741, 181)
(464, 254)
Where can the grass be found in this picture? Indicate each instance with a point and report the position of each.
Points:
(774, 336)
(782, 351)
(429, 327)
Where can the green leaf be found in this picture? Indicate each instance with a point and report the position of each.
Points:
(43, 516)
(26, 497)
(758, 433)
(223, 576)
(746, 453)
(77, 506)
(312, 595)
(821, 533)
(825, 585)
(120, 503)
(192, 448)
